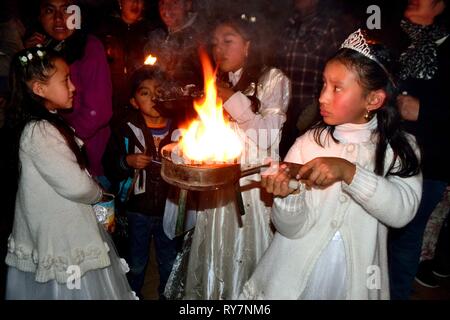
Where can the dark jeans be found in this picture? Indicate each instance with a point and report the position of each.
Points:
(441, 260)
(405, 244)
(142, 228)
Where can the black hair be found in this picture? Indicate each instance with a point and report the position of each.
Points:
(142, 74)
(24, 106)
(372, 77)
(247, 26)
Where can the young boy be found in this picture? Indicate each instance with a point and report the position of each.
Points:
(133, 159)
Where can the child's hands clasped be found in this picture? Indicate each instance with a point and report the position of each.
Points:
(138, 160)
(276, 180)
(318, 173)
(327, 170)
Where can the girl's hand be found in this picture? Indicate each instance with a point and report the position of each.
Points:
(138, 160)
(35, 39)
(408, 106)
(327, 170)
(276, 180)
(224, 92)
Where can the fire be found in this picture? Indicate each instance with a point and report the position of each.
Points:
(150, 60)
(210, 139)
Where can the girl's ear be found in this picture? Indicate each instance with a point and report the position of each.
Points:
(134, 103)
(375, 100)
(39, 88)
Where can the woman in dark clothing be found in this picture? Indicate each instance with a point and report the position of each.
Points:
(425, 107)
(88, 70)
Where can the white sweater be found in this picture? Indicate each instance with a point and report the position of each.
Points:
(54, 223)
(361, 212)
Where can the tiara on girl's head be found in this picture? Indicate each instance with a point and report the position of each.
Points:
(357, 42)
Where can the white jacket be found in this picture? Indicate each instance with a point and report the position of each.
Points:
(361, 212)
(54, 223)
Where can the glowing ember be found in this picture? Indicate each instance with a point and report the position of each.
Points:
(210, 139)
(150, 60)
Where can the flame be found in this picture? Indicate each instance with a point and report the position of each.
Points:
(150, 60)
(210, 139)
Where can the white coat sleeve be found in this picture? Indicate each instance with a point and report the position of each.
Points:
(392, 200)
(289, 214)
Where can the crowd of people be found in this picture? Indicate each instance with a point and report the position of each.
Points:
(83, 120)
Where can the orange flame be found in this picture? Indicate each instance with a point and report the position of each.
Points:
(150, 60)
(210, 139)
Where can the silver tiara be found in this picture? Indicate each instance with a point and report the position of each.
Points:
(356, 41)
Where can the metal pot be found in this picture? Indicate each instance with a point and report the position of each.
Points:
(197, 177)
(207, 177)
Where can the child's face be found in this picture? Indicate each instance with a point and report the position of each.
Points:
(229, 48)
(143, 98)
(342, 99)
(132, 10)
(58, 90)
(53, 18)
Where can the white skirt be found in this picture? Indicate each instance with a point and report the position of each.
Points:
(328, 278)
(108, 283)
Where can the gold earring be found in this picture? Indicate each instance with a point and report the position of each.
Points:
(368, 115)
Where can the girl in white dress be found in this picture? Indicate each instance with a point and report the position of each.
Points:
(362, 175)
(56, 250)
(256, 98)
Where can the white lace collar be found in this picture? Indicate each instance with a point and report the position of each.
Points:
(355, 133)
(235, 76)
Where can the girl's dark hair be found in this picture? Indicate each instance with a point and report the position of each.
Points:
(247, 26)
(372, 77)
(24, 106)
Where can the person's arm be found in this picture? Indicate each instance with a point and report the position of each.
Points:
(274, 96)
(431, 107)
(94, 94)
(114, 158)
(57, 164)
(392, 200)
(289, 214)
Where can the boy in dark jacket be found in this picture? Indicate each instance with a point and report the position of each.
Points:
(132, 162)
